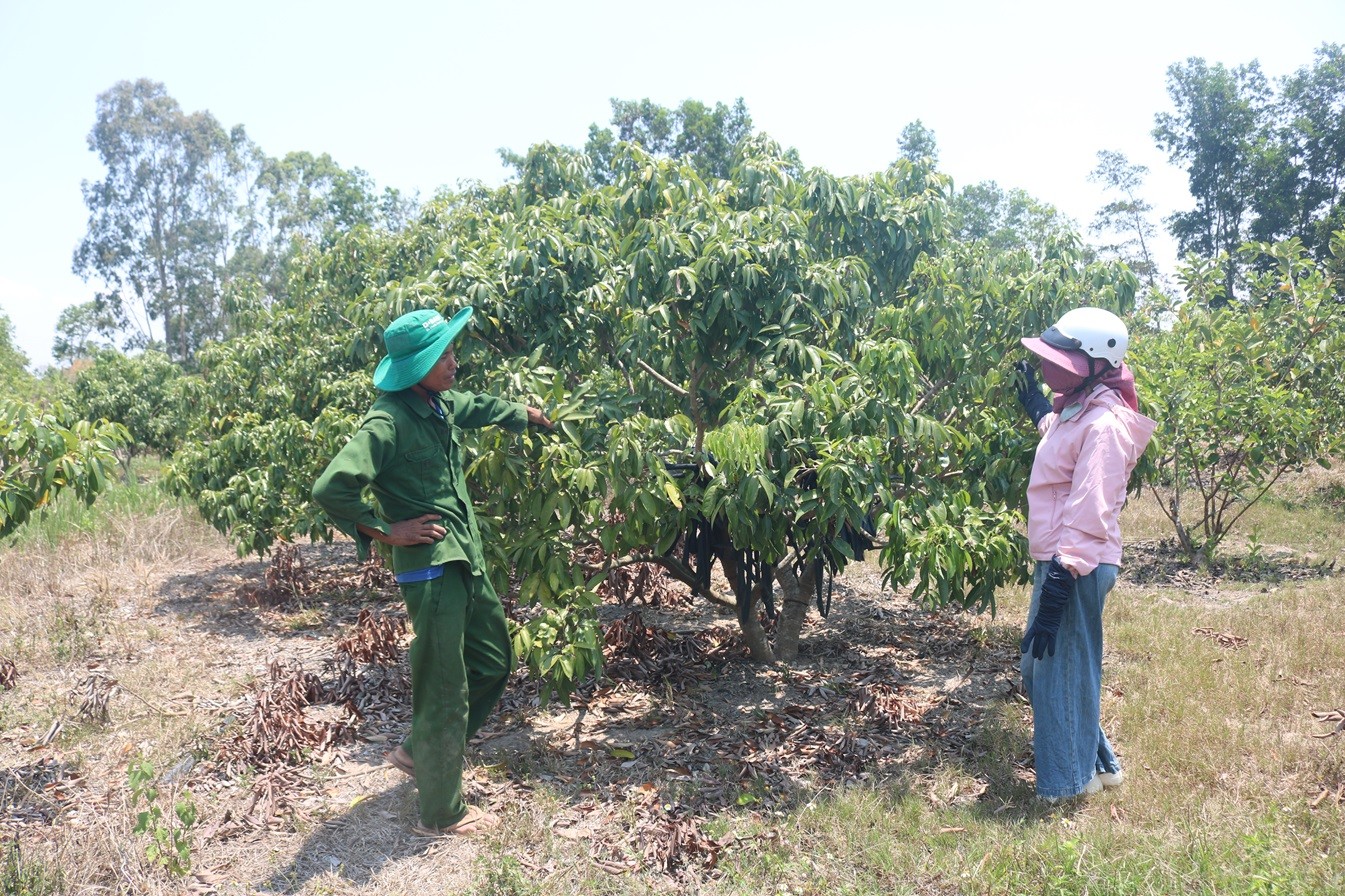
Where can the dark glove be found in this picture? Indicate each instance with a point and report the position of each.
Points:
(1029, 393)
(1055, 593)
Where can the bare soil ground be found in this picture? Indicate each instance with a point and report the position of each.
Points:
(271, 694)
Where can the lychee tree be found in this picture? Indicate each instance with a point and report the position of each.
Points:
(768, 372)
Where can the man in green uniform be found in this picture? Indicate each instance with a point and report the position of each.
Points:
(408, 453)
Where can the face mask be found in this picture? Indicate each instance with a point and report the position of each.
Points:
(1060, 380)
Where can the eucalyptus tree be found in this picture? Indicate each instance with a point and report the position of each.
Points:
(1005, 221)
(189, 212)
(917, 142)
(161, 221)
(1126, 216)
(1312, 112)
(301, 201)
(1219, 122)
(80, 332)
(706, 136)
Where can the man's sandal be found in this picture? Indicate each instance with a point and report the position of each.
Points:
(401, 760)
(476, 821)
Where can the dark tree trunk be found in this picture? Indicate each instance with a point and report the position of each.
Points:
(796, 593)
(753, 634)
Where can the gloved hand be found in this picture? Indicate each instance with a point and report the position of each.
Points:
(1055, 593)
(1029, 393)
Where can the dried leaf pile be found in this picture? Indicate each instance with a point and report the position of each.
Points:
(289, 578)
(632, 651)
(36, 793)
(681, 728)
(94, 692)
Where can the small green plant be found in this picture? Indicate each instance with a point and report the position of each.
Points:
(507, 878)
(22, 878)
(169, 844)
(45, 452)
(1255, 549)
(1244, 392)
(1065, 861)
(1268, 874)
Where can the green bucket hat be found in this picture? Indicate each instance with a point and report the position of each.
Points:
(415, 341)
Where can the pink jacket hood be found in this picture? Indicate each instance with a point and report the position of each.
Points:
(1079, 477)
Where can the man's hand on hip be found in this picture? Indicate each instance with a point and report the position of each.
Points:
(421, 530)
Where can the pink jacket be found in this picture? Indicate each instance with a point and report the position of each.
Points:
(1078, 483)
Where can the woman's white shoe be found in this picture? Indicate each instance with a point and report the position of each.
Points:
(1094, 786)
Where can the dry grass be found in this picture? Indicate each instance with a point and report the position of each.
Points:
(80, 606)
(1211, 698)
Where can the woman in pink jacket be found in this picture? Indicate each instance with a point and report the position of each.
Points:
(1092, 436)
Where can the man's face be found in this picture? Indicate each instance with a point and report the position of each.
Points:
(441, 375)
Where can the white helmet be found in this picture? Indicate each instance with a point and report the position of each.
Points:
(1094, 331)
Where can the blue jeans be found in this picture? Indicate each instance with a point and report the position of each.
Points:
(1066, 690)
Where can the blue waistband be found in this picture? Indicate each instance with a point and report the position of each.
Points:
(424, 574)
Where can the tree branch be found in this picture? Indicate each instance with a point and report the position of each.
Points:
(678, 570)
(934, 390)
(676, 389)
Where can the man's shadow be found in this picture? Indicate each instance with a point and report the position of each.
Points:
(358, 843)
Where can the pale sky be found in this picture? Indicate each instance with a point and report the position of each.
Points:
(422, 94)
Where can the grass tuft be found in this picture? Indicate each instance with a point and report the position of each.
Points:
(27, 877)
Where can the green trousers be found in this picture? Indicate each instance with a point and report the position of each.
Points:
(460, 660)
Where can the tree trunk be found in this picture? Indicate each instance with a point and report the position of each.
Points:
(126, 458)
(795, 595)
(753, 635)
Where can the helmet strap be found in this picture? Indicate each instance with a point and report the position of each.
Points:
(1094, 375)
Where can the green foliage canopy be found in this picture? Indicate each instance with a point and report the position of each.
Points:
(189, 212)
(1243, 393)
(1264, 159)
(46, 452)
(139, 392)
(816, 351)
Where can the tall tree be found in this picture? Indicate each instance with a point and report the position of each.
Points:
(77, 332)
(1127, 216)
(706, 136)
(1312, 111)
(1007, 220)
(917, 142)
(162, 220)
(1218, 132)
(306, 199)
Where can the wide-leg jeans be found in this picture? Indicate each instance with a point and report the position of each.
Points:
(460, 659)
(1066, 690)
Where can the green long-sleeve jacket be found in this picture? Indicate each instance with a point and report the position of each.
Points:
(411, 460)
